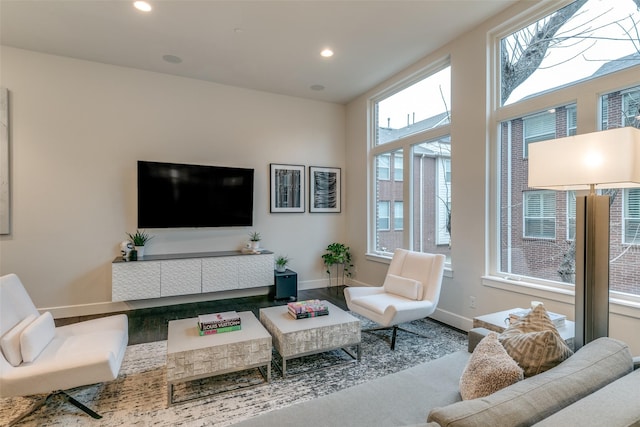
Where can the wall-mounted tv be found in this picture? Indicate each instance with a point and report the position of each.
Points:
(172, 195)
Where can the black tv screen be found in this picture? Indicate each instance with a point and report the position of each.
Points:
(180, 195)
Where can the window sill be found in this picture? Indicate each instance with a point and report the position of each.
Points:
(619, 304)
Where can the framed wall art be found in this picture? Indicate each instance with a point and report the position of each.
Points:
(324, 189)
(287, 188)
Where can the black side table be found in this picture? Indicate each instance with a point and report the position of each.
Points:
(286, 285)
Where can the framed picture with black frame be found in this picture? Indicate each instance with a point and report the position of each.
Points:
(324, 189)
(287, 188)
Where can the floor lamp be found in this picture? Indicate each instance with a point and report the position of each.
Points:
(598, 160)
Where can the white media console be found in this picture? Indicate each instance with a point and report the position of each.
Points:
(156, 276)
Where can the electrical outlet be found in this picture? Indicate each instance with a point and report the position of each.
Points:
(472, 302)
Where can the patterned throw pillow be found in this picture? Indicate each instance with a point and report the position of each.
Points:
(489, 369)
(534, 342)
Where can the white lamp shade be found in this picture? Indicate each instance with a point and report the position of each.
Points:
(606, 159)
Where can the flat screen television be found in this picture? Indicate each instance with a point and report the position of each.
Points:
(172, 195)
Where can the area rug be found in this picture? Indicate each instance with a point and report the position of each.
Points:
(138, 397)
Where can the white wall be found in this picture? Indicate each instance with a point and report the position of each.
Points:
(77, 130)
(470, 172)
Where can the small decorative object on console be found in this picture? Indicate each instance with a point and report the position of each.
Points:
(218, 322)
(308, 308)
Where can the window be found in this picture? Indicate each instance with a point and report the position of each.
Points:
(383, 215)
(384, 169)
(631, 107)
(432, 196)
(422, 105)
(418, 171)
(572, 120)
(540, 214)
(539, 127)
(388, 192)
(398, 215)
(398, 169)
(443, 201)
(632, 216)
(597, 38)
(568, 90)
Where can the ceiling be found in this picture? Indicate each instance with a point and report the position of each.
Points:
(272, 46)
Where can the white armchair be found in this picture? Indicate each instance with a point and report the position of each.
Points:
(411, 291)
(38, 358)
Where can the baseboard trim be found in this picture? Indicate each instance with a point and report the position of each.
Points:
(452, 319)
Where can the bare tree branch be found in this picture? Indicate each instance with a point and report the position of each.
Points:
(529, 47)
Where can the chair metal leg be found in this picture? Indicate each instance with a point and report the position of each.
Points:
(393, 337)
(80, 406)
(43, 401)
(394, 333)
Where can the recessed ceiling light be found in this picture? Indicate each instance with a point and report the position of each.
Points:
(317, 87)
(327, 53)
(142, 5)
(172, 59)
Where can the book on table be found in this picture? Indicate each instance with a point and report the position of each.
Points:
(219, 322)
(557, 319)
(219, 330)
(308, 308)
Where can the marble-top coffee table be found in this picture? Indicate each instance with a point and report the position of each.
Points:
(191, 356)
(296, 338)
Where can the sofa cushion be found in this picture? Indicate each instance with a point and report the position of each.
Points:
(613, 405)
(534, 342)
(37, 336)
(10, 342)
(526, 402)
(408, 288)
(490, 369)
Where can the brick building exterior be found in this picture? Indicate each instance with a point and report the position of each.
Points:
(543, 257)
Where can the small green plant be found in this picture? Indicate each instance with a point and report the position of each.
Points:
(339, 255)
(139, 238)
(255, 236)
(282, 261)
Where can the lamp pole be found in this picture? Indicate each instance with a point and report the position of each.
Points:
(592, 267)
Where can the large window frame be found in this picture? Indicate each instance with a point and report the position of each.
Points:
(586, 95)
(405, 144)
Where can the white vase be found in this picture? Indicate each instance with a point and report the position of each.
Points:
(281, 268)
(255, 245)
(140, 250)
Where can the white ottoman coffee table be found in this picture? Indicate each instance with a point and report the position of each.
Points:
(191, 356)
(296, 338)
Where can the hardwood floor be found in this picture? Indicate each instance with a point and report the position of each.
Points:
(150, 324)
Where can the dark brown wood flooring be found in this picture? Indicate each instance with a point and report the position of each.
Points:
(150, 324)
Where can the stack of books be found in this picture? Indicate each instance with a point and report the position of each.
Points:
(217, 323)
(557, 319)
(308, 308)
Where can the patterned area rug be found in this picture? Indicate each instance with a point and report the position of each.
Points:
(138, 397)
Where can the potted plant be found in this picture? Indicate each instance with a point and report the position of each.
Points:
(281, 263)
(254, 239)
(139, 239)
(338, 255)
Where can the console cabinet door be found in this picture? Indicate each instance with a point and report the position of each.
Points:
(135, 280)
(219, 274)
(181, 277)
(256, 271)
